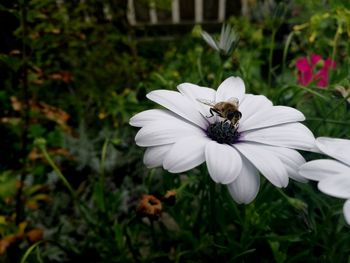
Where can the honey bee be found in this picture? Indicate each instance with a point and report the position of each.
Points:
(225, 109)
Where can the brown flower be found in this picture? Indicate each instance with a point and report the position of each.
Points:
(149, 206)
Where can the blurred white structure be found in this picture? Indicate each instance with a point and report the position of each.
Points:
(142, 12)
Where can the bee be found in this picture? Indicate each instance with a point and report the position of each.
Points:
(225, 109)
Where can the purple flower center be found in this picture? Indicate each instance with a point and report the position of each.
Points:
(223, 132)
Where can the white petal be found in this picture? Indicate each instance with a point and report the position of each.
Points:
(292, 161)
(265, 161)
(291, 135)
(165, 132)
(185, 154)
(154, 156)
(271, 116)
(346, 211)
(232, 87)
(176, 102)
(252, 104)
(223, 161)
(195, 92)
(146, 117)
(223, 37)
(245, 188)
(337, 185)
(209, 40)
(336, 148)
(321, 169)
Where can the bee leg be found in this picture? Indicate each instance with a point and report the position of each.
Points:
(235, 125)
(212, 114)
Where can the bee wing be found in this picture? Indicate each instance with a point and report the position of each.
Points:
(207, 102)
(234, 101)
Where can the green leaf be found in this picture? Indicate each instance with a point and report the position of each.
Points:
(7, 184)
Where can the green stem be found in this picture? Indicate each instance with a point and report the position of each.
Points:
(199, 68)
(35, 245)
(220, 72)
(314, 93)
(29, 251)
(331, 111)
(134, 252)
(212, 197)
(41, 143)
(285, 51)
(153, 234)
(346, 123)
(334, 51)
(102, 173)
(272, 46)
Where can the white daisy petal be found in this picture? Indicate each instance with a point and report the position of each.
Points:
(336, 148)
(321, 169)
(185, 154)
(337, 185)
(195, 93)
(252, 104)
(223, 161)
(165, 132)
(223, 37)
(246, 186)
(271, 116)
(292, 161)
(232, 87)
(346, 211)
(210, 40)
(146, 117)
(154, 156)
(291, 135)
(265, 161)
(176, 102)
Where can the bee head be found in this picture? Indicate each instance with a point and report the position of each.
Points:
(234, 115)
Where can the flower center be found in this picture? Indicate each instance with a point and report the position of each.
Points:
(223, 132)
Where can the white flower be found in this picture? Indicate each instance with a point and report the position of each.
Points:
(333, 176)
(181, 138)
(227, 42)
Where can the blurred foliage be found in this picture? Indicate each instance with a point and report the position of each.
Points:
(74, 74)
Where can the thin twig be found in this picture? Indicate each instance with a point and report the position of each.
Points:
(25, 114)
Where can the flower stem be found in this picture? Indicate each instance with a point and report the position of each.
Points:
(153, 234)
(102, 201)
(334, 51)
(37, 244)
(41, 143)
(345, 123)
(199, 68)
(212, 197)
(331, 111)
(285, 51)
(272, 46)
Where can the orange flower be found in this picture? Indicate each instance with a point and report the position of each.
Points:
(149, 206)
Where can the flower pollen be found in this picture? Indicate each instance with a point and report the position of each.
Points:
(223, 132)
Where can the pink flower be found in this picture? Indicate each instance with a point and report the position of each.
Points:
(307, 70)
